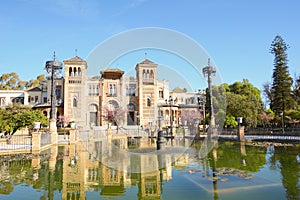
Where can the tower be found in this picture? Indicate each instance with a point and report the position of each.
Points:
(147, 92)
(75, 74)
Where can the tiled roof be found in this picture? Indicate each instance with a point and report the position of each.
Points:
(146, 61)
(75, 58)
(179, 90)
(34, 89)
(112, 70)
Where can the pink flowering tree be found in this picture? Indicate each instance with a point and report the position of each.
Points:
(116, 116)
(63, 121)
(189, 116)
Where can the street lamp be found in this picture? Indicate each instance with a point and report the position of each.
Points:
(138, 122)
(201, 104)
(53, 68)
(208, 72)
(282, 121)
(170, 102)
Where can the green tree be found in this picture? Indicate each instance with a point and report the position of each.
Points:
(244, 100)
(230, 121)
(11, 81)
(36, 82)
(266, 117)
(219, 103)
(296, 90)
(282, 81)
(18, 116)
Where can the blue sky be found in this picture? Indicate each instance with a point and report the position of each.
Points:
(236, 34)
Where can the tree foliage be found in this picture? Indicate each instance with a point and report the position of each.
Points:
(18, 116)
(296, 90)
(230, 121)
(266, 117)
(282, 81)
(243, 100)
(219, 103)
(11, 81)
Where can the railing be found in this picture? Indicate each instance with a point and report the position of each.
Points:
(292, 131)
(16, 142)
(63, 136)
(99, 133)
(264, 137)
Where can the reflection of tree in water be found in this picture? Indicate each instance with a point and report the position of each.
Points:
(224, 161)
(14, 170)
(290, 169)
(231, 157)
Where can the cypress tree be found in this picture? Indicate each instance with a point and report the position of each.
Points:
(282, 81)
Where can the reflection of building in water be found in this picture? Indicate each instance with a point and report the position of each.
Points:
(74, 173)
(111, 182)
(150, 181)
(84, 170)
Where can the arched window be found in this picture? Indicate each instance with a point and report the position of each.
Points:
(90, 90)
(110, 89)
(144, 74)
(94, 90)
(79, 71)
(151, 74)
(70, 71)
(75, 101)
(148, 101)
(75, 71)
(114, 90)
(148, 74)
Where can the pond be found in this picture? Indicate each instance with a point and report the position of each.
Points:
(123, 169)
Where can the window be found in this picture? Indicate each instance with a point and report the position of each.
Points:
(161, 94)
(110, 89)
(58, 91)
(151, 74)
(127, 90)
(90, 90)
(130, 90)
(36, 99)
(75, 102)
(29, 99)
(148, 101)
(75, 71)
(114, 90)
(45, 99)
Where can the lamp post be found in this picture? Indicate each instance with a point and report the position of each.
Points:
(53, 67)
(282, 121)
(208, 72)
(201, 104)
(170, 102)
(137, 121)
(159, 118)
